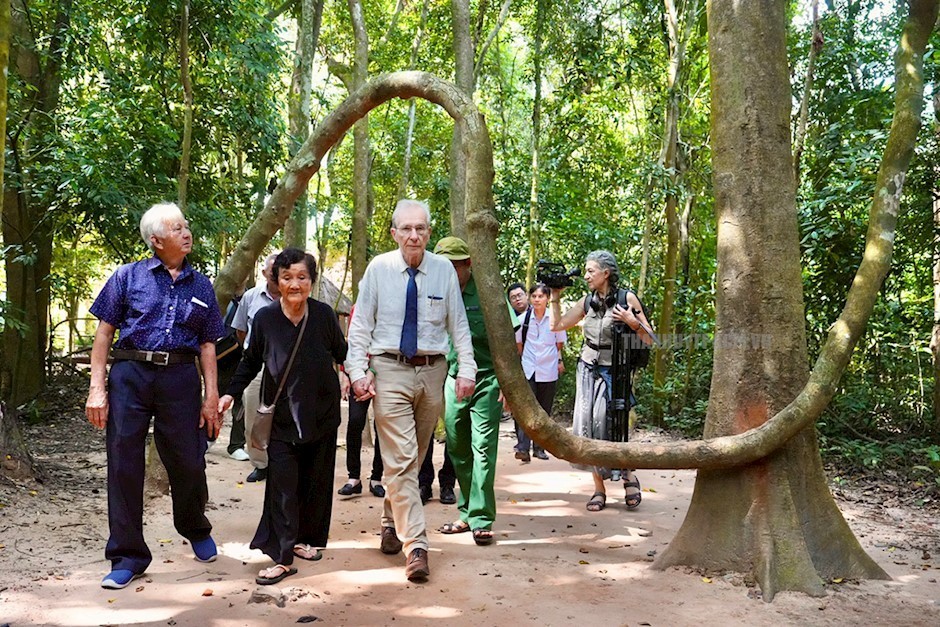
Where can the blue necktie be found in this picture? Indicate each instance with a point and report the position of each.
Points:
(409, 330)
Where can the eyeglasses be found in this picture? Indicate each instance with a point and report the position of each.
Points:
(420, 229)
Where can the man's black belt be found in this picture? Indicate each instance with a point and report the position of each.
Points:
(417, 360)
(159, 358)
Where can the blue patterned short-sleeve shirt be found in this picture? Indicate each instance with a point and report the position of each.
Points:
(152, 312)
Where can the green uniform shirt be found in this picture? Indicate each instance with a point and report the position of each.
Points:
(481, 346)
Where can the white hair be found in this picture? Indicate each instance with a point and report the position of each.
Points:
(407, 203)
(155, 220)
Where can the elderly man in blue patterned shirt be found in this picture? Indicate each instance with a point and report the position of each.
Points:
(167, 318)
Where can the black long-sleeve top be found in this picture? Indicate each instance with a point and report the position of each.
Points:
(309, 405)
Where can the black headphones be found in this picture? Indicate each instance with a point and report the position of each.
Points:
(598, 304)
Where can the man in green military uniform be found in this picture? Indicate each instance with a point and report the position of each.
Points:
(472, 424)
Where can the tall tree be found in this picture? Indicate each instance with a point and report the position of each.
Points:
(186, 149)
(677, 38)
(309, 17)
(28, 224)
(536, 135)
(775, 518)
(362, 207)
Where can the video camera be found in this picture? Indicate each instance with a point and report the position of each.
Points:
(554, 274)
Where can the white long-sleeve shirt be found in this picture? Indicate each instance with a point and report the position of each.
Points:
(380, 313)
(540, 353)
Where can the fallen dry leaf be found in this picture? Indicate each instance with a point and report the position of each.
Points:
(583, 562)
(139, 589)
(707, 579)
(207, 592)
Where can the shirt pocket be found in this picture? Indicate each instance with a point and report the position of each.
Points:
(192, 315)
(436, 310)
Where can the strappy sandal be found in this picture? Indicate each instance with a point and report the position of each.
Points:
(458, 526)
(483, 537)
(632, 500)
(597, 504)
(274, 574)
(307, 552)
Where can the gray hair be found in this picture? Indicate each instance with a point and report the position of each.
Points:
(155, 219)
(606, 261)
(407, 203)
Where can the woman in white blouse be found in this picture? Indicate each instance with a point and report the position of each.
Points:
(540, 349)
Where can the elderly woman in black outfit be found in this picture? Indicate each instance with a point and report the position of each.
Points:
(298, 497)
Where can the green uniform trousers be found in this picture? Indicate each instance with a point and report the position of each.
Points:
(472, 437)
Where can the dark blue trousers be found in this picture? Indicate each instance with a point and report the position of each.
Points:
(171, 395)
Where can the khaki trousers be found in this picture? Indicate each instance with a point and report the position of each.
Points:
(251, 398)
(408, 403)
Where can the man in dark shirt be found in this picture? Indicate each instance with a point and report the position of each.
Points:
(167, 317)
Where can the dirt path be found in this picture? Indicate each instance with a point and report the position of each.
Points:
(553, 564)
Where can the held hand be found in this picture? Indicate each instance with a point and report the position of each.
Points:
(224, 403)
(626, 316)
(344, 386)
(364, 388)
(210, 418)
(464, 388)
(556, 294)
(96, 407)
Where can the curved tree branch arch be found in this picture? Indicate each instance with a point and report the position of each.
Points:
(482, 225)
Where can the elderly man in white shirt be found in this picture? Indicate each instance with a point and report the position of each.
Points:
(409, 304)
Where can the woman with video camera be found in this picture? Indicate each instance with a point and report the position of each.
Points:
(601, 310)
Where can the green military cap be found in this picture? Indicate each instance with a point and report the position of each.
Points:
(453, 248)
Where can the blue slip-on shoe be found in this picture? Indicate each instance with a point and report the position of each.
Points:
(205, 550)
(120, 578)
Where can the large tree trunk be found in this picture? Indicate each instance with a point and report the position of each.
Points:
(362, 209)
(774, 518)
(298, 104)
(28, 229)
(15, 460)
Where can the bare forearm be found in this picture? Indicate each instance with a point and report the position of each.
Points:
(99, 354)
(210, 376)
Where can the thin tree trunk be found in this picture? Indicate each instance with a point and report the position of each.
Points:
(186, 149)
(308, 32)
(464, 78)
(669, 162)
(409, 134)
(935, 336)
(362, 215)
(815, 47)
(536, 135)
(647, 240)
